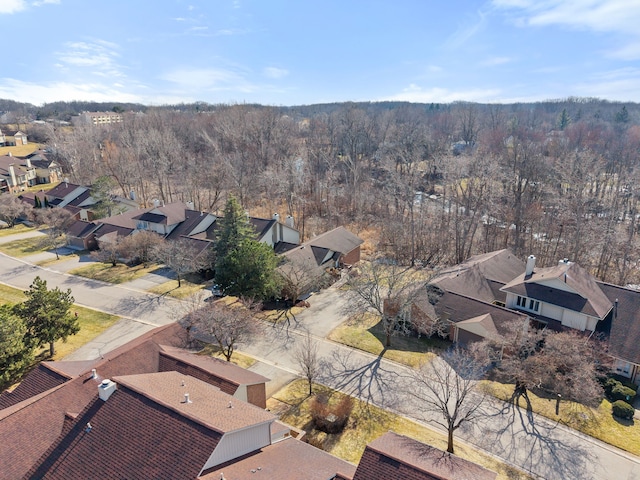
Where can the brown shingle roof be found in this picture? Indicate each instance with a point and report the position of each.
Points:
(580, 291)
(500, 265)
(339, 240)
(220, 369)
(624, 334)
(398, 457)
(288, 459)
(208, 406)
(131, 437)
(40, 379)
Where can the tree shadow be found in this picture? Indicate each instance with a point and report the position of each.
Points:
(536, 444)
(371, 382)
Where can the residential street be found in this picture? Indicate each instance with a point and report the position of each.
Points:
(533, 443)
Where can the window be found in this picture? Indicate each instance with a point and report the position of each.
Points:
(534, 305)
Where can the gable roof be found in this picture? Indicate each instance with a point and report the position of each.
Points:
(500, 266)
(40, 379)
(469, 282)
(131, 436)
(581, 292)
(339, 240)
(289, 459)
(482, 326)
(62, 190)
(395, 456)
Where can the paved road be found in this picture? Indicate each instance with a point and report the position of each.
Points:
(542, 447)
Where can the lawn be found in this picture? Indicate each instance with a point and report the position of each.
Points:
(92, 322)
(367, 423)
(121, 273)
(18, 228)
(24, 247)
(598, 423)
(186, 289)
(20, 150)
(237, 358)
(366, 334)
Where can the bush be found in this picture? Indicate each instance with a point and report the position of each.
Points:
(330, 418)
(609, 384)
(622, 409)
(620, 392)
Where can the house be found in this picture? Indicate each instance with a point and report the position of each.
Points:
(478, 300)
(74, 198)
(179, 220)
(395, 456)
(152, 409)
(307, 264)
(12, 138)
(47, 171)
(16, 174)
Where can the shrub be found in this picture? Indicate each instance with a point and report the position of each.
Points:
(622, 409)
(609, 384)
(620, 392)
(330, 418)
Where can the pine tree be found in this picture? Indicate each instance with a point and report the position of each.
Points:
(16, 354)
(46, 315)
(233, 229)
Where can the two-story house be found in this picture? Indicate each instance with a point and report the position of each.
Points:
(16, 174)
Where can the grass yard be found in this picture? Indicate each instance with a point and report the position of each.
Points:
(171, 288)
(20, 150)
(92, 322)
(107, 273)
(18, 228)
(367, 423)
(237, 358)
(24, 247)
(367, 334)
(598, 423)
(10, 295)
(63, 258)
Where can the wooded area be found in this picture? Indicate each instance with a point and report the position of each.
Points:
(437, 183)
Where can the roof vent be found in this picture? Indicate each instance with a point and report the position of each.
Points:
(94, 374)
(276, 217)
(106, 389)
(289, 221)
(230, 405)
(186, 398)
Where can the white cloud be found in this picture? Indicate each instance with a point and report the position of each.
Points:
(621, 16)
(467, 31)
(12, 6)
(274, 72)
(99, 56)
(415, 93)
(63, 91)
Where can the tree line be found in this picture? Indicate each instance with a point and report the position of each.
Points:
(437, 183)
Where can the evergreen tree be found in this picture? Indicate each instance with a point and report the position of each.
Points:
(249, 270)
(46, 315)
(233, 229)
(16, 354)
(623, 115)
(564, 120)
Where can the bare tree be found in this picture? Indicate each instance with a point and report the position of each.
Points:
(12, 208)
(444, 390)
(389, 291)
(181, 256)
(109, 251)
(306, 356)
(57, 220)
(564, 364)
(140, 246)
(226, 325)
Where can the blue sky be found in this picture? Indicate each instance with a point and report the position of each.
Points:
(293, 52)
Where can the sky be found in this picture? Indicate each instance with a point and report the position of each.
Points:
(299, 52)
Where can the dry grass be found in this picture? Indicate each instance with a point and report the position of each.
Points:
(24, 247)
(18, 228)
(292, 405)
(237, 358)
(107, 273)
(596, 422)
(365, 333)
(20, 150)
(92, 322)
(171, 289)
